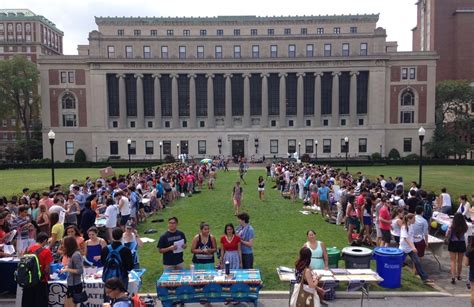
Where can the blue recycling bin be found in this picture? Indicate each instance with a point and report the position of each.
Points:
(389, 266)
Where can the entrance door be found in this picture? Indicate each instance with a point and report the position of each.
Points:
(238, 148)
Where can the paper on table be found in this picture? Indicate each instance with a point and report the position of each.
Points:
(360, 271)
(323, 272)
(179, 246)
(9, 249)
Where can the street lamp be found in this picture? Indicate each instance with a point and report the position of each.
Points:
(299, 150)
(316, 149)
(219, 144)
(256, 145)
(51, 137)
(129, 146)
(380, 151)
(346, 146)
(177, 150)
(161, 146)
(421, 136)
(96, 154)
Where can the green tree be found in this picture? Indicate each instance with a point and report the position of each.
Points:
(80, 156)
(19, 94)
(445, 144)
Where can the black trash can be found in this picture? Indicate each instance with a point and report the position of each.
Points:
(357, 257)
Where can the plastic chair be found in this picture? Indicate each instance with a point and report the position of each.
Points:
(212, 293)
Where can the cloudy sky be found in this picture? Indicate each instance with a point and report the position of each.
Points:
(76, 18)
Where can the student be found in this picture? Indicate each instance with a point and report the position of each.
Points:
(204, 247)
(75, 268)
(246, 233)
(469, 261)
(167, 246)
(115, 290)
(125, 256)
(261, 188)
(237, 195)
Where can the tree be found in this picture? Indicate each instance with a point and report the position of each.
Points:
(445, 144)
(19, 94)
(80, 156)
(393, 154)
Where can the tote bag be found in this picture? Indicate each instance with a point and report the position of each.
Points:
(304, 296)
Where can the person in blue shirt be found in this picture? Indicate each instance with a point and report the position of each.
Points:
(323, 192)
(246, 233)
(134, 199)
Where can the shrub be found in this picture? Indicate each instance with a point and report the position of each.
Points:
(394, 154)
(68, 161)
(412, 156)
(169, 159)
(305, 158)
(376, 156)
(80, 156)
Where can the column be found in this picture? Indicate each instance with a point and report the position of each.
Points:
(228, 101)
(211, 121)
(122, 102)
(335, 99)
(264, 117)
(140, 102)
(174, 101)
(157, 97)
(317, 99)
(246, 120)
(192, 101)
(282, 121)
(300, 100)
(353, 99)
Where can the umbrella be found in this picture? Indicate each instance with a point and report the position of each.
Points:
(204, 161)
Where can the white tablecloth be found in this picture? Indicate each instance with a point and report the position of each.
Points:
(444, 219)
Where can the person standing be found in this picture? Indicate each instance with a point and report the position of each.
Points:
(203, 247)
(23, 225)
(110, 262)
(230, 248)
(385, 222)
(111, 214)
(237, 195)
(124, 207)
(323, 192)
(261, 188)
(319, 255)
(75, 268)
(469, 261)
(172, 244)
(88, 219)
(38, 294)
(73, 210)
(246, 233)
(456, 245)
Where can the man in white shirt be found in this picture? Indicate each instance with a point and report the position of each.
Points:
(124, 207)
(301, 183)
(111, 214)
(57, 206)
(445, 200)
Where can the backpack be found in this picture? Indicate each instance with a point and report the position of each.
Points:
(427, 209)
(28, 272)
(113, 265)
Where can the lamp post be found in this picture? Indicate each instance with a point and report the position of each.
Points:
(316, 149)
(346, 147)
(219, 144)
(96, 154)
(161, 146)
(51, 137)
(380, 151)
(421, 136)
(256, 145)
(177, 150)
(129, 145)
(299, 150)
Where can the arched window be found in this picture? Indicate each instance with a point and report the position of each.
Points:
(408, 98)
(407, 106)
(69, 111)
(27, 27)
(18, 27)
(69, 101)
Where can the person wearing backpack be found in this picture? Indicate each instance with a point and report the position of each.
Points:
(37, 294)
(117, 259)
(115, 290)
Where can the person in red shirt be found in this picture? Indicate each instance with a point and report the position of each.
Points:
(385, 222)
(230, 248)
(38, 294)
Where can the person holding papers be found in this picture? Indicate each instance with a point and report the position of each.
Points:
(172, 244)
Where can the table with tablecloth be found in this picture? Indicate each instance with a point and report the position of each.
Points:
(183, 286)
(444, 219)
(8, 266)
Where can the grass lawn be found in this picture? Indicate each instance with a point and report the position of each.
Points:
(280, 229)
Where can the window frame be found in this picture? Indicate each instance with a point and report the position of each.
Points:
(309, 51)
(255, 51)
(182, 52)
(203, 32)
(149, 150)
(274, 146)
(110, 51)
(364, 49)
(113, 148)
(345, 49)
(407, 144)
(129, 52)
(237, 54)
(363, 145)
(68, 149)
(273, 53)
(164, 52)
(202, 148)
(147, 54)
(327, 51)
(326, 145)
(291, 146)
(218, 54)
(200, 53)
(292, 53)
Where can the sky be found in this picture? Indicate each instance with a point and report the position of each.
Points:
(76, 18)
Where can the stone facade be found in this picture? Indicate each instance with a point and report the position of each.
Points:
(256, 86)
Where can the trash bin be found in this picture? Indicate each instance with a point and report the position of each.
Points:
(334, 254)
(357, 257)
(389, 266)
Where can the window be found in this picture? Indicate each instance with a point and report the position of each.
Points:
(182, 52)
(291, 146)
(309, 50)
(220, 32)
(345, 49)
(153, 32)
(148, 147)
(185, 124)
(363, 49)
(149, 124)
(218, 52)
(291, 51)
(167, 147)
(202, 32)
(337, 30)
(407, 145)
(63, 77)
(133, 148)
(304, 31)
(408, 98)
(128, 52)
(114, 148)
(412, 73)
(236, 32)
(237, 52)
(13, 122)
(327, 49)
(110, 52)
(253, 32)
(407, 117)
(404, 73)
(291, 123)
(255, 51)
(69, 148)
(325, 122)
(273, 51)
(115, 124)
(362, 145)
(202, 124)
(132, 124)
(308, 144)
(326, 145)
(274, 146)
(164, 52)
(167, 124)
(169, 32)
(18, 27)
(137, 32)
(361, 121)
(200, 52)
(271, 32)
(69, 120)
(308, 123)
(287, 31)
(4, 123)
(120, 32)
(201, 147)
(146, 52)
(70, 77)
(343, 122)
(273, 123)
(68, 102)
(320, 30)
(183, 148)
(353, 29)
(186, 32)
(344, 148)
